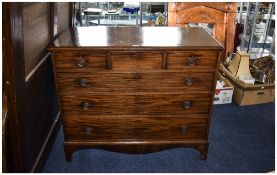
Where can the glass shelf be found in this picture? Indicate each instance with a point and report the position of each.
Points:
(121, 13)
(258, 19)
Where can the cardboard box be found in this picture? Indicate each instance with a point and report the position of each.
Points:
(240, 64)
(223, 95)
(248, 94)
(243, 97)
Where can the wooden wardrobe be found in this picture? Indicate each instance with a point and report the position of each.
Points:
(30, 106)
(221, 14)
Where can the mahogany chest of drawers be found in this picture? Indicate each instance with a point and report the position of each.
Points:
(135, 90)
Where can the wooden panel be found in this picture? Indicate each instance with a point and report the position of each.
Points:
(222, 6)
(41, 109)
(136, 104)
(136, 60)
(230, 34)
(132, 128)
(221, 14)
(33, 105)
(13, 73)
(134, 82)
(63, 16)
(203, 14)
(204, 60)
(36, 32)
(69, 62)
(5, 155)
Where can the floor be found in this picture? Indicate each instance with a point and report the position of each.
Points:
(242, 140)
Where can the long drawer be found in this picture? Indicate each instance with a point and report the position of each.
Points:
(134, 82)
(133, 128)
(151, 104)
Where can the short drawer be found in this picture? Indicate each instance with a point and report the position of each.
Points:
(134, 82)
(192, 60)
(133, 128)
(136, 60)
(148, 104)
(78, 62)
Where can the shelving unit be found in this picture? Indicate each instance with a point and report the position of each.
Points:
(150, 8)
(145, 16)
(258, 35)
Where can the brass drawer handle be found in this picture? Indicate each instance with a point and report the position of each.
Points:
(184, 129)
(136, 76)
(83, 82)
(86, 105)
(187, 104)
(192, 61)
(81, 62)
(136, 56)
(88, 130)
(189, 81)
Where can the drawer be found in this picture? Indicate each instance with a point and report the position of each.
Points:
(133, 128)
(192, 60)
(148, 104)
(136, 60)
(134, 82)
(78, 62)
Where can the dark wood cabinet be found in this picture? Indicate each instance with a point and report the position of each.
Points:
(32, 116)
(131, 90)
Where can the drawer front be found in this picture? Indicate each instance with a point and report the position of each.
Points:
(134, 82)
(136, 60)
(150, 104)
(133, 128)
(192, 60)
(78, 62)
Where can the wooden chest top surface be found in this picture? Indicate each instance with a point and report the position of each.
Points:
(135, 37)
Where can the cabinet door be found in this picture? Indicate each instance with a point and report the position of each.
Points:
(28, 79)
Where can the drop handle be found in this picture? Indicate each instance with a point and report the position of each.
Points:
(86, 105)
(81, 62)
(187, 104)
(189, 81)
(136, 76)
(184, 129)
(83, 82)
(88, 130)
(191, 61)
(136, 56)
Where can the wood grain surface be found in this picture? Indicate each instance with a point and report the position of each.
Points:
(36, 33)
(136, 60)
(136, 104)
(204, 60)
(155, 81)
(132, 86)
(132, 38)
(222, 15)
(222, 6)
(133, 128)
(69, 61)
